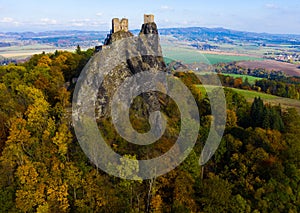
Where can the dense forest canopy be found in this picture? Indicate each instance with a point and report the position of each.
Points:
(43, 169)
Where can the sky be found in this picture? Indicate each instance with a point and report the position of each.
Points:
(277, 16)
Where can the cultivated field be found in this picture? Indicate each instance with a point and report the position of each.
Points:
(189, 56)
(18, 52)
(289, 69)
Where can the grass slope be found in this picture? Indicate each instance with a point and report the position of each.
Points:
(251, 79)
(250, 95)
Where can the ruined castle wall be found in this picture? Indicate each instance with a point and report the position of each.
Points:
(148, 18)
(124, 25)
(116, 25)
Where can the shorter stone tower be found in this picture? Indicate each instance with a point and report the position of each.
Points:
(115, 25)
(148, 18)
(118, 25)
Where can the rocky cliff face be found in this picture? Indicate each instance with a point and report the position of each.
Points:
(111, 93)
(142, 53)
(149, 28)
(113, 37)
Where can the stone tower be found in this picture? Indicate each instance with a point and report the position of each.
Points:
(124, 25)
(148, 18)
(118, 25)
(115, 25)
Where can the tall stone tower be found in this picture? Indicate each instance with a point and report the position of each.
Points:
(118, 25)
(148, 18)
(124, 25)
(149, 26)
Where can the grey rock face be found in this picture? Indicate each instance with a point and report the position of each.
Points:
(149, 28)
(143, 53)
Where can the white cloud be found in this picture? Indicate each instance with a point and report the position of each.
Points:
(165, 7)
(77, 24)
(45, 21)
(99, 14)
(85, 23)
(271, 6)
(7, 20)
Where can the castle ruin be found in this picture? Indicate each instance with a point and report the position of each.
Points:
(148, 18)
(122, 26)
(118, 25)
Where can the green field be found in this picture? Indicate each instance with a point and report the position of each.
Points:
(271, 99)
(251, 79)
(189, 56)
(250, 95)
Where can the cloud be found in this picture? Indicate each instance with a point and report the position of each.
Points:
(7, 20)
(86, 23)
(271, 6)
(165, 8)
(47, 21)
(99, 14)
(41, 22)
(78, 24)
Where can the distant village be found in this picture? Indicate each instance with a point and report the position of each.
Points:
(284, 57)
(288, 58)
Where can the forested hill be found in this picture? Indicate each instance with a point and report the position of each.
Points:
(227, 35)
(89, 38)
(43, 169)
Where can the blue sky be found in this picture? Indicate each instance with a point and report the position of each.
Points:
(256, 15)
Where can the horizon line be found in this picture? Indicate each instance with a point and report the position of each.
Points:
(164, 28)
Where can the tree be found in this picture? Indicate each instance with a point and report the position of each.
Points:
(183, 193)
(257, 112)
(238, 82)
(231, 118)
(246, 84)
(216, 195)
(78, 50)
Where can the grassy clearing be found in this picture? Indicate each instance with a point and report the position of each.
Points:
(251, 79)
(271, 99)
(250, 95)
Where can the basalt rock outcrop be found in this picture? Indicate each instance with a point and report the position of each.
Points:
(127, 55)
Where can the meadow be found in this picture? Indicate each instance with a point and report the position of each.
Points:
(189, 56)
(251, 79)
(267, 98)
(271, 99)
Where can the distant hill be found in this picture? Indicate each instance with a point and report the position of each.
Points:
(62, 39)
(200, 34)
(226, 35)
